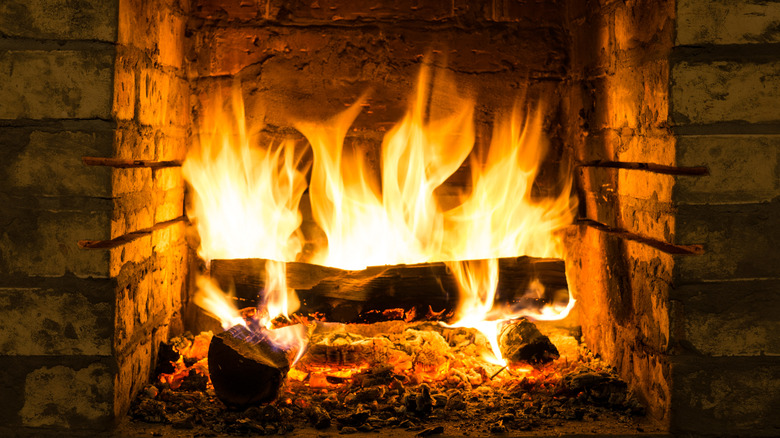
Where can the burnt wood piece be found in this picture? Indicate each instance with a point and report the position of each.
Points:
(246, 368)
(520, 341)
(421, 291)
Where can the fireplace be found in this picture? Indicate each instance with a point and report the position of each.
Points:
(663, 111)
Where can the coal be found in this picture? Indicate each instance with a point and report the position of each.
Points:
(521, 342)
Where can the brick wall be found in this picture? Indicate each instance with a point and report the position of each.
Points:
(309, 60)
(79, 327)
(681, 85)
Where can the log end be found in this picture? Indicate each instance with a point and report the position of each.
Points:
(521, 341)
(245, 371)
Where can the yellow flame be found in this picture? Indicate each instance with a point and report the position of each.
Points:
(210, 297)
(246, 200)
(245, 195)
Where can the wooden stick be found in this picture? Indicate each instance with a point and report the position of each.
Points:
(412, 292)
(122, 163)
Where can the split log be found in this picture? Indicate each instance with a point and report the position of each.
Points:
(377, 293)
(521, 341)
(246, 368)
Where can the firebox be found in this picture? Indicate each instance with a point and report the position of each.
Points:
(661, 135)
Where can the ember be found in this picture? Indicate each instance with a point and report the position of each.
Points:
(419, 377)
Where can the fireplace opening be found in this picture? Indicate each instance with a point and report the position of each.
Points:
(252, 217)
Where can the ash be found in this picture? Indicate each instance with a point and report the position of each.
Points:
(421, 378)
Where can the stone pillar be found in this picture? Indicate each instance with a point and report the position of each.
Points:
(79, 327)
(666, 89)
(724, 113)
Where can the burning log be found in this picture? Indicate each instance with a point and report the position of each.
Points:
(246, 368)
(521, 341)
(377, 293)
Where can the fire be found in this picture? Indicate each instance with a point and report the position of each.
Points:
(210, 297)
(246, 199)
(245, 195)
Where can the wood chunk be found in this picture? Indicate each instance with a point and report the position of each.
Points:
(521, 341)
(246, 368)
(427, 290)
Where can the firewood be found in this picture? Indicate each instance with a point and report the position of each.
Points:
(521, 341)
(379, 293)
(245, 367)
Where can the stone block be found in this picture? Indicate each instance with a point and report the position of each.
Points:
(126, 258)
(172, 144)
(169, 204)
(162, 99)
(68, 398)
(43, 321)
(343, 10)
(726, 396)
(144, 197)
(48, 163)
(740, 240)
(132, 212)
(135, 142)
(125, 94)
(56, 84)
(727, 22)
(60, 19)
(154, 28)
(725, 91)
(43, 242)
(633, 200)
(742, 169)
(728, 318)
(634, 97)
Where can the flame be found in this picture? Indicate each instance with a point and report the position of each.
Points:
(246, 195)
(246, 199)
(210, 297)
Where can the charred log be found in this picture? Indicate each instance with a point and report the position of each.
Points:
(521, 341)
(380, 293)
(246, 368)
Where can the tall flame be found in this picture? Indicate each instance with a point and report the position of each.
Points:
(246, 198)
(245, 195)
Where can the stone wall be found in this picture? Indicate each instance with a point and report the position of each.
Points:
(681, 85)
(79, 327)
(724, 88)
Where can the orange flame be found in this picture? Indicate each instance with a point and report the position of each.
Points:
(246, 200)
(246, 195)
